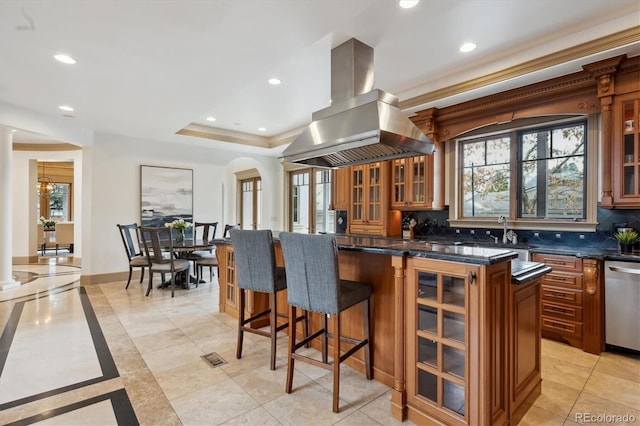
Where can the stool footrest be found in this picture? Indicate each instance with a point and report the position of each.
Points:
(308, 339)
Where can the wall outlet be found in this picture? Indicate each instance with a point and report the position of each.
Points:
(457, 231)
(558, 236)
(535, 234)
(581, 236)
(488, 232)
(472, 232)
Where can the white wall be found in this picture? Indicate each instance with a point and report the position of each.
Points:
(271, 173)
(112, 181)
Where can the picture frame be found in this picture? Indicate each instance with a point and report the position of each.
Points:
(166, 194)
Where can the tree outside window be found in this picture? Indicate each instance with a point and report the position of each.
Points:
(550, 181)
(552, 172)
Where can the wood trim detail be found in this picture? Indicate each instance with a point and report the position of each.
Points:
(622, 38)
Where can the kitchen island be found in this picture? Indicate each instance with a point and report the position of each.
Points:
(456, 333)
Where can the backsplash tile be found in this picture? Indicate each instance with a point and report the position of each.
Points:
(434, 224)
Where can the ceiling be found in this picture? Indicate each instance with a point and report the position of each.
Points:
(149, 69)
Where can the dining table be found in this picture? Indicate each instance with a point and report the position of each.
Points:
(182, 250)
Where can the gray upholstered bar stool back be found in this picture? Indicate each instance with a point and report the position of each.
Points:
(256, 270)
(314, 284)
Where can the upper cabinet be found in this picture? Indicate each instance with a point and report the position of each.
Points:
(412, 183)
(369, 212)
(626, 151)
(340, 189)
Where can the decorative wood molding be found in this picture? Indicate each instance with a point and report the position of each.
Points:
(622, 38)
(18, 146)
(604, 72)
(571, 94)
(222, 137)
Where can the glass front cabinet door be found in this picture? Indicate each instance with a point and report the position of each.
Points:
(455, 318)
(626, 151)
(412, 183)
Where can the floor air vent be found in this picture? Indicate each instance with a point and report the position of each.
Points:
(214, 360)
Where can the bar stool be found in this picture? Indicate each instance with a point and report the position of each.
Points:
(256, 270)
(314, 284)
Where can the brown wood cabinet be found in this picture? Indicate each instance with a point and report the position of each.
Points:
(472, 343)
(412, 183)
(369, 212)
(227, 280)
(340, 189)
(626, 151)
(375, 269)
(571, 301)
(525, 359)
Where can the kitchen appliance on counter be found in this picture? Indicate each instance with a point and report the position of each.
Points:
(341, 222)
(622, 300)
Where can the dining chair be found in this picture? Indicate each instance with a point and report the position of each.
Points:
(204, 258)
(314, 284)
(133, 247)
(64, 236)
(228, 228)
(162, 258)
(256, 270)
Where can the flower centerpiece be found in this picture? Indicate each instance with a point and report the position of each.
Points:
(180, 225)
(47, 223)
(627, 239)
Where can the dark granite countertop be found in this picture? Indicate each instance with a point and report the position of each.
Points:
(584, 251)
(399, 247)
(524, 271)
(468, 251)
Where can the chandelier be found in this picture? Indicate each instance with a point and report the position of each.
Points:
(45, 184)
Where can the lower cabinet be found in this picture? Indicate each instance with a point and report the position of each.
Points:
(572, 302)
(472, 343)
(227, 280)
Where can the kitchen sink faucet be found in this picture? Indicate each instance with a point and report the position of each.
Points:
(507, 235)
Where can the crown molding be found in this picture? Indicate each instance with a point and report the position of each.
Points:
(612, 41)
(18, 146)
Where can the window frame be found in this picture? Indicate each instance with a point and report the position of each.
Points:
(311, 171)
(588, 224)
(520, 161)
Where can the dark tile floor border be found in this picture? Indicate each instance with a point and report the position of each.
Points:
(119, 401)
(107, 364)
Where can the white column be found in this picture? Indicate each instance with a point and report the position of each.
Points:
(6, 140)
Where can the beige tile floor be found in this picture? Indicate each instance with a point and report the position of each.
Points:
(157, 344)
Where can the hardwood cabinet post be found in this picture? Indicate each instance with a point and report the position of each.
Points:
(593, 322)
(604, 72)
(399, 392)
(426, 121)
(438, 176)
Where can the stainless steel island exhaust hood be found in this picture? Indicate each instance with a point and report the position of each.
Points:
(362, 125)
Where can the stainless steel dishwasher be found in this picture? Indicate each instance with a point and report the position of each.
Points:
(622, 304)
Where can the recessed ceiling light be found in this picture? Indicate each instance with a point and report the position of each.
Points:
(211, 118)
(467, 47)
(408, 4)
(65, 59)
(262, 129)
(66, 108)
(274, 81)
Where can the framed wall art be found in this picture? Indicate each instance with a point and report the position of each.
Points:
(166, 194)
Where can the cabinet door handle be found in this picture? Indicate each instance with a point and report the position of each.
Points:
(472, 277)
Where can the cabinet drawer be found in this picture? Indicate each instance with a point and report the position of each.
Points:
(559, 263)
(562, 295)
(367, 230)
(563, 279)
(566, 328)
(566, 312)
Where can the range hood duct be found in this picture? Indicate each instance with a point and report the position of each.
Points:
(362, 125)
